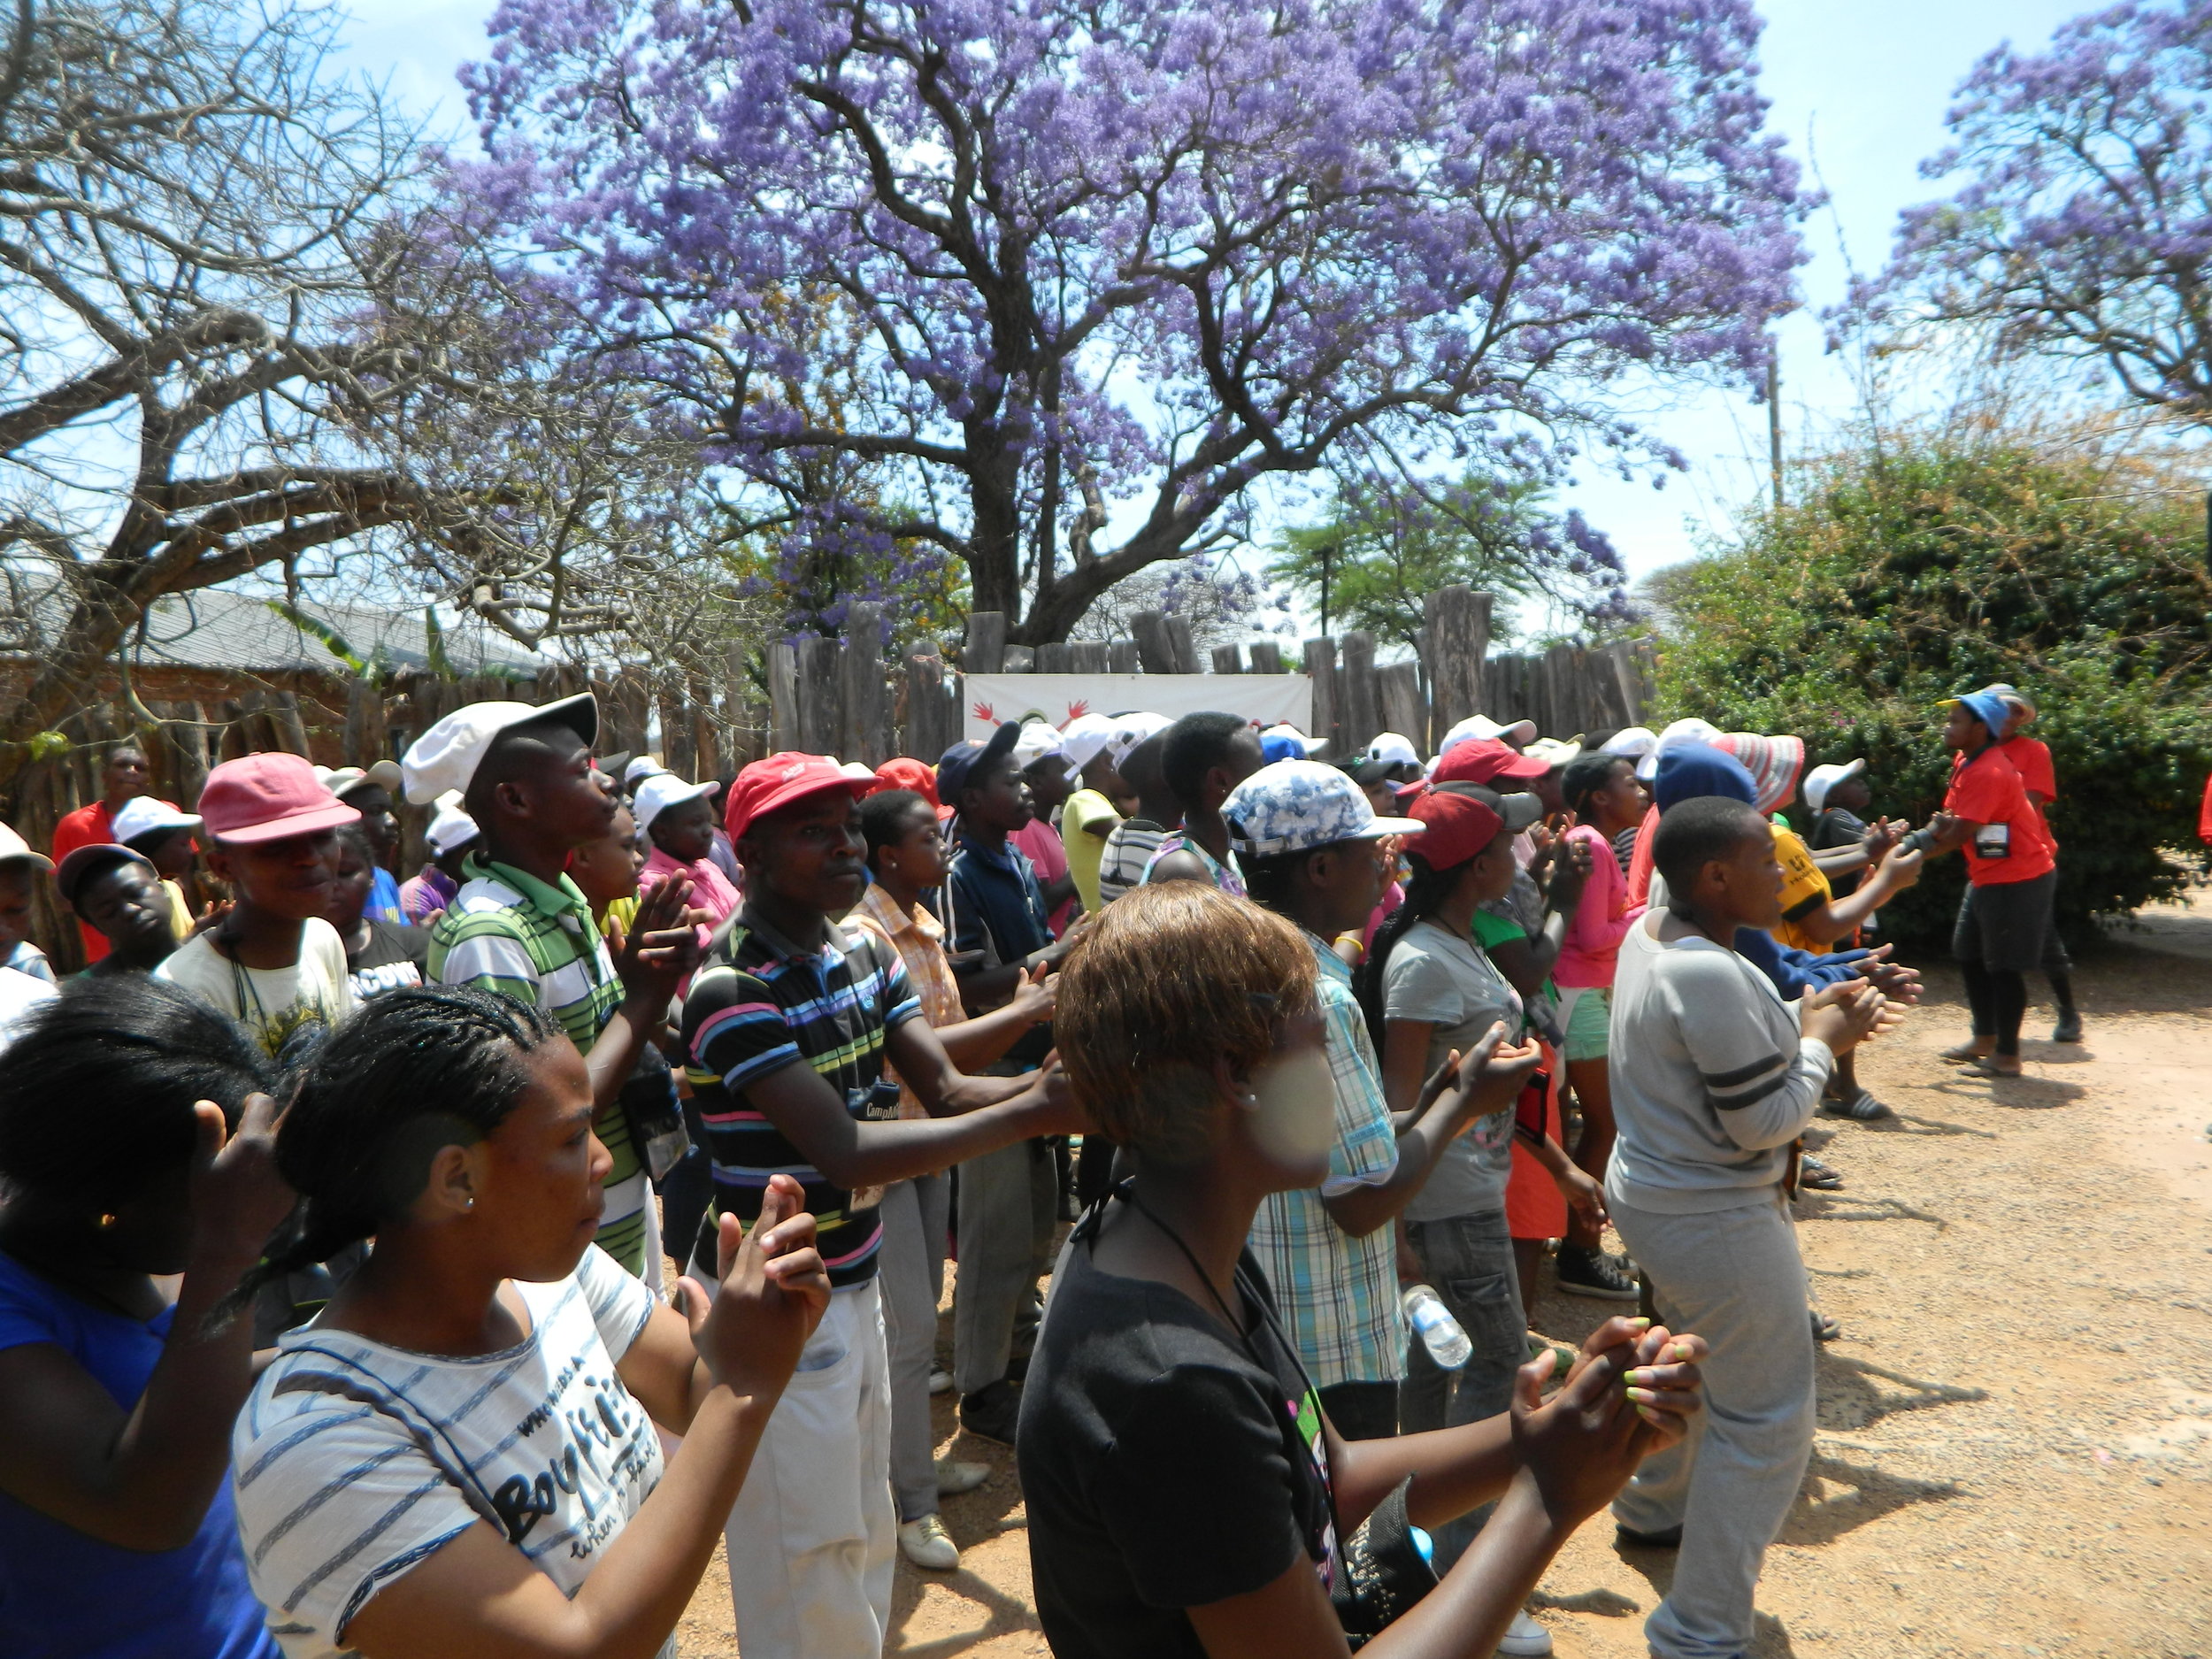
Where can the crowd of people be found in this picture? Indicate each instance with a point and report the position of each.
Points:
(335, 1317)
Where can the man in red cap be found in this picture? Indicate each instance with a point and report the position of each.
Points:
(273, 964)
(785, 1029)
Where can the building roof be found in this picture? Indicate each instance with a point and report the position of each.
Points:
(254, 633)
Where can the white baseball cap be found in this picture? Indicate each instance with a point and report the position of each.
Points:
(1635, 741)
(1393, 747)
(385, 774)
(1514, 735)
(1284, 732)
(1677, 732)
(1038, 741)
(447, 755)
(450, 828)
(1820, 779)
(639, 769)
(665, 790)
(12, 846)
(1083, 739)
(1133, 729)
(1555, 751)
(143, 815)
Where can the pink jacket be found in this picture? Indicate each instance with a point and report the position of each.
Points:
(711, 890)
(1601, 919)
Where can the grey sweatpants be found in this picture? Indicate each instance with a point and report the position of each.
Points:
(1009, 1205)
(910, 1269)
(1735, 1278)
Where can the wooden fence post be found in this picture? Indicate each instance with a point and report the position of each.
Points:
(930, 714)
(985, 652)
(1122, 658)
(1089, 657)
(1321, 669)
(1458, 643)
(866, 731)
(678, 753)
(1185, 647)
(1052, 658)
(1399, 688)
(1361, 713)
(1155, 649)
(821, 716)
(1020, 659)
(783, 697)
(1267, 657)
(1228, 659)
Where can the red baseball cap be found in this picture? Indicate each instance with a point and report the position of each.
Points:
(767, 785)
(271, 797)
(1481, 759)
(1465, 819)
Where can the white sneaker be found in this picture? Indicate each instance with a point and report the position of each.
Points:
(953, 1478)
(927, 1544)
(1524, 1635)
(941, 1382)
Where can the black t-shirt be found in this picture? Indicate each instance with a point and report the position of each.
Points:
(1836, 829)
(391, 960)
(1164, 1466)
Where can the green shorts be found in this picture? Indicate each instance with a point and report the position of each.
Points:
(1589, 1022)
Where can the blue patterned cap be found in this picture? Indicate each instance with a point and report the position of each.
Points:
(1296, 805)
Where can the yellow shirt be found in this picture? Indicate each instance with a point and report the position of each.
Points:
(180, 913)
(1803, 888)
(1082, 812)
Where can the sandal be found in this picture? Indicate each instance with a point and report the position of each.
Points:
(1987, 1067)
(1964, 1054)
(1861, 1108)
(1824, 1328)
(1813, 1175)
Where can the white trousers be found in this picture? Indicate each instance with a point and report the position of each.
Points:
(813, 1536)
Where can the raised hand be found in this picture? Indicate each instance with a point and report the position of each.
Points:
(1570, 869)
(1497, 1074)
(772, 1293)
(1037, 994)
(661, 946)
(238, 1197)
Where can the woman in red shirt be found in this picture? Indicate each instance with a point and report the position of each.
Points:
(2011, 868)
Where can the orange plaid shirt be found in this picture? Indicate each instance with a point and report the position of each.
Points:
(919, 940)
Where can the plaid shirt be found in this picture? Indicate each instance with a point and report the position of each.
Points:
(919, 940)
(1338, 1294)
(510, 932)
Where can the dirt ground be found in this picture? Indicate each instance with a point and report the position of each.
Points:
(2015, 1449)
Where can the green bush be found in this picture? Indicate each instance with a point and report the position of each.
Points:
(1899, 579)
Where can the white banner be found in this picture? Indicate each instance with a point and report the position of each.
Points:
(1263, 699)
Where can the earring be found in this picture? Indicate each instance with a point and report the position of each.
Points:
(469, 1202)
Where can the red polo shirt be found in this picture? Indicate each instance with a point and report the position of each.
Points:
(87, 827)
(1986, 788)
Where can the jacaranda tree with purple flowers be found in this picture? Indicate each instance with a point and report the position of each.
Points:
(1107, 266)
(2083, 224)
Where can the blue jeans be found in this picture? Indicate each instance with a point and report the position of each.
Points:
(1469, 1260)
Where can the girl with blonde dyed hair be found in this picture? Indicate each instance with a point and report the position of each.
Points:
(1186, 1493)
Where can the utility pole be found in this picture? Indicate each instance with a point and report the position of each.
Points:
(1774, 421)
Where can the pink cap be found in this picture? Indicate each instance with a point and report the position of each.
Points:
(269, 798)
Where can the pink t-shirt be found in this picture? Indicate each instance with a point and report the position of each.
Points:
(711, 891)
(1601, 919)
(1041, 841)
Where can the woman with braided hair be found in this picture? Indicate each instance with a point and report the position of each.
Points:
(458, 1455)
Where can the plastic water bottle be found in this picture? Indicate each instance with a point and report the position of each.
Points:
(1440, 1333)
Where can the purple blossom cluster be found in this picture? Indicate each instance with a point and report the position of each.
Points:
(1027, 267)
(2083, 226)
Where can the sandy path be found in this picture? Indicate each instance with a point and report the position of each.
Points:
(2015, 1454)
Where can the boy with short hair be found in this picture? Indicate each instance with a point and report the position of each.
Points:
(1714, 1076)
(1203, 757)
(786, 1030)
(273, 963)
(521, 927)
(118, 891)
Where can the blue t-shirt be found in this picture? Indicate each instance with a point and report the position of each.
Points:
(383, 905)
(63, 1593)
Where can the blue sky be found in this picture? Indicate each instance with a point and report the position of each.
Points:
(1858, 89)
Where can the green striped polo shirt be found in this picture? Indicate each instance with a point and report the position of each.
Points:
(507, 931)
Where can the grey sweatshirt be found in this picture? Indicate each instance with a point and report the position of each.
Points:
(1712, 1079)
